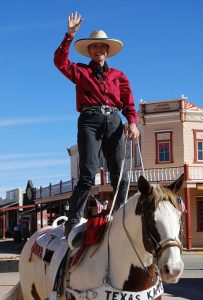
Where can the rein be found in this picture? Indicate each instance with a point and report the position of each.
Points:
(130, 172)
(119, 180)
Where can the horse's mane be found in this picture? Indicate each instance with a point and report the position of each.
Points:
(162, 194)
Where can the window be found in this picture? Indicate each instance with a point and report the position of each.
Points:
(199, 150)
(164, 147)
(200, 214)
(198, 145)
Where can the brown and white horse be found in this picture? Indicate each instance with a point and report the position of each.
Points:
(142, 238)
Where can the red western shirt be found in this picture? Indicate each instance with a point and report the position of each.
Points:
(113, 89)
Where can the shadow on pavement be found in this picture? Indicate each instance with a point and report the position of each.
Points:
(9, 266)
(186, 288)
(11, 247)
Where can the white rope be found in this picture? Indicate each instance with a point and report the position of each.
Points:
(130, 173)
(130, 170)
(119, 180)
(138, 145)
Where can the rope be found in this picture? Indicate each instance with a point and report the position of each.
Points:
(119, 180)
(107, 262)
(140, 154)
(130, 171)
(123, 219)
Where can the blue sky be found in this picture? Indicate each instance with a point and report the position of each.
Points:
(162, 57)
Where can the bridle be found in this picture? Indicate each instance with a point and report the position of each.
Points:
(160, 246)
(167, 243)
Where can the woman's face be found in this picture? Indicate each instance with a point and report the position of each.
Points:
(98, 52)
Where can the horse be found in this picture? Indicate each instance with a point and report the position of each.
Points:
(140, 248)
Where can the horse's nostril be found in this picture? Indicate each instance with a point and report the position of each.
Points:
(166, 269)
(171, 271)
(176, 272)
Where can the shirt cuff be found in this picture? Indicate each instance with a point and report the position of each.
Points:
(132, 119)
(68, 36)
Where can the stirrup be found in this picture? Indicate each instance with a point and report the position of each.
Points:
(77, 232)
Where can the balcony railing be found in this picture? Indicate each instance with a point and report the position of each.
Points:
(195, 173)
(192, 173)
(154, 175)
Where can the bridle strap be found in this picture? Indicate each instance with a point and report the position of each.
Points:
(161, 246)
(165, 244)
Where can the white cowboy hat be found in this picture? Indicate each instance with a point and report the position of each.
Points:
(98, 36)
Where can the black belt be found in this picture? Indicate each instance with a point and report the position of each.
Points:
(104, 109)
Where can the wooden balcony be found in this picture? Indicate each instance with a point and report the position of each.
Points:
(192, 174)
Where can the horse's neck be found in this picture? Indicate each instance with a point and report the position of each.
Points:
(126, 242)
(115, 258)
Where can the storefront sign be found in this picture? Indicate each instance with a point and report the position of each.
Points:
(162, 107)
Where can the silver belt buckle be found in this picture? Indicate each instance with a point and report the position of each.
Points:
(105, 110)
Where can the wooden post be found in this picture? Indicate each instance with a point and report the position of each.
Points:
(35, 217)
(60, 208)
(50, 189)
(186, 171)
(41, 216)
(50, 212)
(102, 179)
(4, 225)
(188, 219)
(61, 185)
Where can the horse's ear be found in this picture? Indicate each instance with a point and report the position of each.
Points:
(176, 185)
(143, 185)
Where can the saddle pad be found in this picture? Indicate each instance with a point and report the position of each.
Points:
(56, 260)
(51, 240)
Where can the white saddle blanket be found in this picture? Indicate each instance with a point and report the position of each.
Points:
(54, 241)
(50, 240)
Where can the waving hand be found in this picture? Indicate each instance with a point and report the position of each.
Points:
(74, 22)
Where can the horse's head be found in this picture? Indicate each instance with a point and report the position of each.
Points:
(162, 221)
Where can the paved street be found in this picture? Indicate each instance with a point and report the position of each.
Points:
(190, 286)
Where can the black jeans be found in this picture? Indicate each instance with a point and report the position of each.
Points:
(95, 132)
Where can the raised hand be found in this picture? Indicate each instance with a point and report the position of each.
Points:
(74, 22)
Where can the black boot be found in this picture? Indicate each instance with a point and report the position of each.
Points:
(68, 228)
(69, 225)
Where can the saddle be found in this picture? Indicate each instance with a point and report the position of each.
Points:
(53, 248)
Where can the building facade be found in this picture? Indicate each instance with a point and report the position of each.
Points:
(172, 138)
(17, 211)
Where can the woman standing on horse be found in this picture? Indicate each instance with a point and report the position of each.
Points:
(101, 92)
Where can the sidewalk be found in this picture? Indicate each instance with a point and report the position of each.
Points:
(9, 258)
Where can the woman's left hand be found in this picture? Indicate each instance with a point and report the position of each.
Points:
(132, 131)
